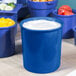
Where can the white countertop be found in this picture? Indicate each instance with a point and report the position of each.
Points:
(13, 66)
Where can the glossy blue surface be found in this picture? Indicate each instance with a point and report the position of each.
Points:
(69, 23)
(7, 41)
(41, 9)
(41, 48)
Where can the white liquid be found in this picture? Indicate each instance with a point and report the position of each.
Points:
(9, 1)
(41, 25)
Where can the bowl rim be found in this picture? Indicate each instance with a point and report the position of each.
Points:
(38, 18)
(55, 13)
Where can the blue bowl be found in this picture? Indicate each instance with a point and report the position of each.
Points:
(11, 14)
(7, 41)
(41, 48)
(69, 22)
(41, 9)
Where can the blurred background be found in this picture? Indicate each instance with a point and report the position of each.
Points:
(72, 3)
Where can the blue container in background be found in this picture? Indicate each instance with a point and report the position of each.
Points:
(22, 1)
(9, 15)
(24, 12)
(41, 48)
(41, 9)
(7, 41)
(69, 23)
(12, 14)
(74, 29)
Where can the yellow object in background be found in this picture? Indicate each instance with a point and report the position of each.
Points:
(35, 0)
(43, 0)
(6, 22)
(50, 0)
